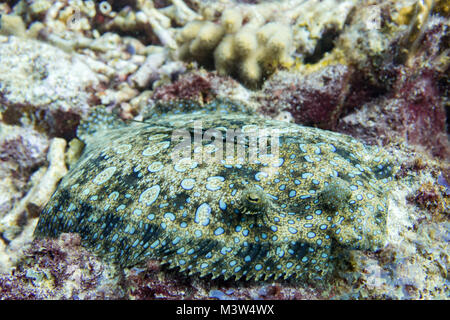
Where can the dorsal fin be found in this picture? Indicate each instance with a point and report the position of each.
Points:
(224, 106)
(100, 119)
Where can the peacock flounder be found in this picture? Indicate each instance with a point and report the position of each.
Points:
(211, 206)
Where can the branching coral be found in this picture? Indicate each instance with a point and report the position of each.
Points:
(249, 51)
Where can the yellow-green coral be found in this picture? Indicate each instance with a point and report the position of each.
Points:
(251, 41)
(249, 51)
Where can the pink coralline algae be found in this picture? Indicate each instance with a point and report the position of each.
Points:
(29, 73)
(316, 99)
(188, 87)
(413, 107)
(22, 152)
(392, 95)
(59, 269)
(149, 283)
(62, 269)
(413, 112)
(424, 114)
(431, 198)
(56, 123)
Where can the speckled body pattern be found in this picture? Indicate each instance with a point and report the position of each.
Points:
(282, 217)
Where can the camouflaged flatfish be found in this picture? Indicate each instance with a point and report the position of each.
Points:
(286, 215)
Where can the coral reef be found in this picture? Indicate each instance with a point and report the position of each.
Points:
(374, 84)
(251, 41)
(12, 25)
(60, 269)
(414, 108)
(376, 70)
(273, 219)
(16, 227)
(51, 92)
(22, 152)
(190, 87)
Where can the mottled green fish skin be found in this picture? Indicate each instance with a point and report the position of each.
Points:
(283, 217)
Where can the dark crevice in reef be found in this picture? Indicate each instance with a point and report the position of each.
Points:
(324, 45)
(12, 3)
(118, 5)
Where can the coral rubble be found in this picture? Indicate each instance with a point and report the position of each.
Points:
(377, 70)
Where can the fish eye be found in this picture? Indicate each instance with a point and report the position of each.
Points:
(254, 201)
(253, 197)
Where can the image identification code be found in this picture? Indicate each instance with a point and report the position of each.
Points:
(229, 309)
